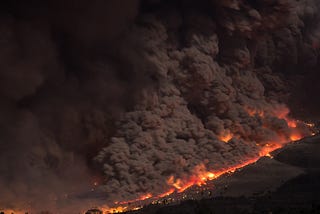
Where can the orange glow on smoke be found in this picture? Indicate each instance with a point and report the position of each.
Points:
(295, 137)
(291, 123)
(9, 211)
(200, 175)
(226, 136)
(254, 112)
(203, 176)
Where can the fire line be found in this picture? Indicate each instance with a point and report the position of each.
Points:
(202, 176)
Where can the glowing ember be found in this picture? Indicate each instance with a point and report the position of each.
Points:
(269, 155)
(119, 209)
(311, 125)
(201, 175)
(200, 179)
(142, 198)
(114, 210)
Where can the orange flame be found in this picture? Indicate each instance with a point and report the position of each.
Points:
(9, 211)
(141, 198)
(201, 175)
(295, 136)
(162, 195)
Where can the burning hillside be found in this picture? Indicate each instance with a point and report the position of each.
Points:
(262, 187)
(109, 104)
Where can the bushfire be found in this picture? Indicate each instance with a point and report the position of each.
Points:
(201, 175)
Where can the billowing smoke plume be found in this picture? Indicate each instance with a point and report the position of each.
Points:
(149, 89)
(211, 72)
(60, 90)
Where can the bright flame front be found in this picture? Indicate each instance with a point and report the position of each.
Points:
(201, 175)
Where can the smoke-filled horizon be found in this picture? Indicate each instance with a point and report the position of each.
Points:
(129, 93)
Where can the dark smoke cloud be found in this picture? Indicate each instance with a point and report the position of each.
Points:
(61, 88)
(207, 81)
(145, 87)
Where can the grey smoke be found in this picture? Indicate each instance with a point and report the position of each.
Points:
(145, 93)
(59, 96)
(205, 86)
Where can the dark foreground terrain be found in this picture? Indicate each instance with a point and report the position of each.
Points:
(298, 191)
(287, 183)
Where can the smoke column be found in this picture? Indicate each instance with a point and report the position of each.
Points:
(129, 93)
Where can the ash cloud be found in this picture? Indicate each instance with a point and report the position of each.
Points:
(209, 78)
(61, 88)
(144, 88)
